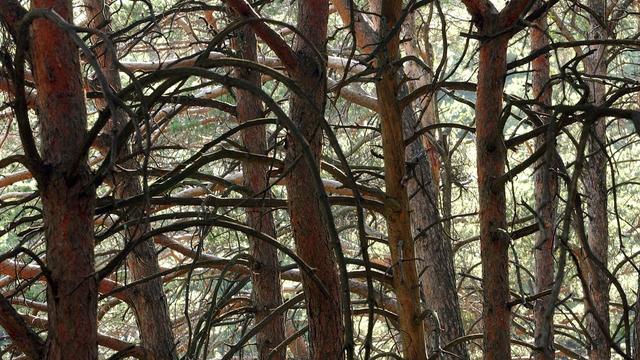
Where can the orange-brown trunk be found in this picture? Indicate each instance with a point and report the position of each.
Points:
(68, 195)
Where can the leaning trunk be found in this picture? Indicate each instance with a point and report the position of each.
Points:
(147, 299)
(433, 249)
(309, 230)
(432, 244)
(427, 106)
(68, 195)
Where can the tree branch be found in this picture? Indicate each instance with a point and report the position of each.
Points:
(25, 339)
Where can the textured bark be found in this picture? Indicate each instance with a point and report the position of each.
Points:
(147, 299)
(375, 8)
(433, 247)
(326, 331)
(401, 242)
(495, 29)
(24, 338)
(68, 196)
(491, 156)
(595, 182)
(265, 275)
(427, 106)
(11, 12)
(546, 188)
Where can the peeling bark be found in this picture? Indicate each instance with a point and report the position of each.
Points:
(432, 244)
(432, 247)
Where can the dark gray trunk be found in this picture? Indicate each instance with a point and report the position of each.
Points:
(433, 247)
(432, 243)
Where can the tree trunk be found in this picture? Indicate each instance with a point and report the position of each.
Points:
(427, 106)
(433, 249)
(598, 236)
(595, 182)
(401, 242)
(265, 276)
(491, 154)
(326, 331)
(432, 244)
(147, 299)
(546, 188)
(68, 195)
(23, 337)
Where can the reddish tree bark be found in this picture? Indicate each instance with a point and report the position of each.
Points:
(147, 299)
(494, 241)
(427, 106)
(310, 231)
(311, 236)
(546, 188)
(68, 195)
(595, 182)
(265, 275)
(495, 30)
